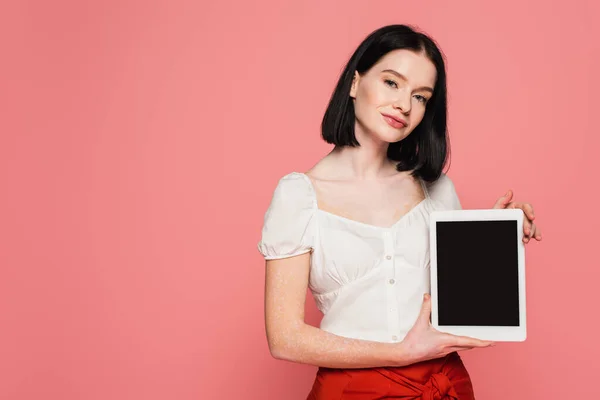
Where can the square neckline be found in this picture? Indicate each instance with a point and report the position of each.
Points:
(354, 221)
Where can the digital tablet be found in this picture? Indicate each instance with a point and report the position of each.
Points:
(478, 273)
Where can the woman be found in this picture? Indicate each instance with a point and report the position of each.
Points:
(354, 229)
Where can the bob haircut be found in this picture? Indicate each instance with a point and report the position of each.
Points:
(426, 149)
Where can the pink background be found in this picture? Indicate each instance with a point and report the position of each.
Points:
(140, 144)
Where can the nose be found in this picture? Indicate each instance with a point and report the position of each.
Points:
(402, 102)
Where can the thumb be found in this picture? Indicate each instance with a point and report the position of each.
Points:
(503, 201)
(425, 310)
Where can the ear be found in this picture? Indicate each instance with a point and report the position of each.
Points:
(354, 84)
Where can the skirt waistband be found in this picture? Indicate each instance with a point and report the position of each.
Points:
(439, 379)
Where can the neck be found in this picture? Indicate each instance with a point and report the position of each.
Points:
(369, 161)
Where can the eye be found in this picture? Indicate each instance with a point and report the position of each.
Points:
(421, 99)
(391, 83)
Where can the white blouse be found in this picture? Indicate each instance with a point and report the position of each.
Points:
(367, 280)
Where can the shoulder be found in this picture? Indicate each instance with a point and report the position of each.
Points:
(444, 191)
(443, 184)
(293, 195)
(287, 222)
(294, 186)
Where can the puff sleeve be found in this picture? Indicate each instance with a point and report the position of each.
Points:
(444, 192)
(288, 226)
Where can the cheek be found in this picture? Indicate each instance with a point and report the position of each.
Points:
(417, 115)
(373, 96)
(367, 102)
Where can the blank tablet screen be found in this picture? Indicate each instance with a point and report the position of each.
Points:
(477, 273)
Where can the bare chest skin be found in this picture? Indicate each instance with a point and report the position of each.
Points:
(380, 202)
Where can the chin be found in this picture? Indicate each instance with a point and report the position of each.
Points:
(393, 136)
(386, 133)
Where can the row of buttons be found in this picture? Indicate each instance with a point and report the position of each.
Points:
(391, 281)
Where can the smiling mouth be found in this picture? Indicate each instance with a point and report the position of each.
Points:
(393, 122)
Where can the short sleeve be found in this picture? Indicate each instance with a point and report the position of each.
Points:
(444, 192)
(288, 222)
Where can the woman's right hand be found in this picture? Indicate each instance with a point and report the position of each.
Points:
(423, 342)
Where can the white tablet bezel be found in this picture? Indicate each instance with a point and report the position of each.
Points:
(493, 333)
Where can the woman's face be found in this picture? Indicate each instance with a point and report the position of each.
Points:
(390, 98)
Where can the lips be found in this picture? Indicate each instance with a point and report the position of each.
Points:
(395, 122)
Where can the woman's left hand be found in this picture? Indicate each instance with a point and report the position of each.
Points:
(530, 230)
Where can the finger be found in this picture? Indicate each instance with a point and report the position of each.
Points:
(533, 229)
(503, 201)
(525, 207)
(425, 310)
(528, 210)
(527, 229)
(534, 233)
(458, 348)
(466, 341)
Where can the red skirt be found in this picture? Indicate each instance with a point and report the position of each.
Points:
(440, 379)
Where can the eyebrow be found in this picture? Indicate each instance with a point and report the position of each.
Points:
(399, 75)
